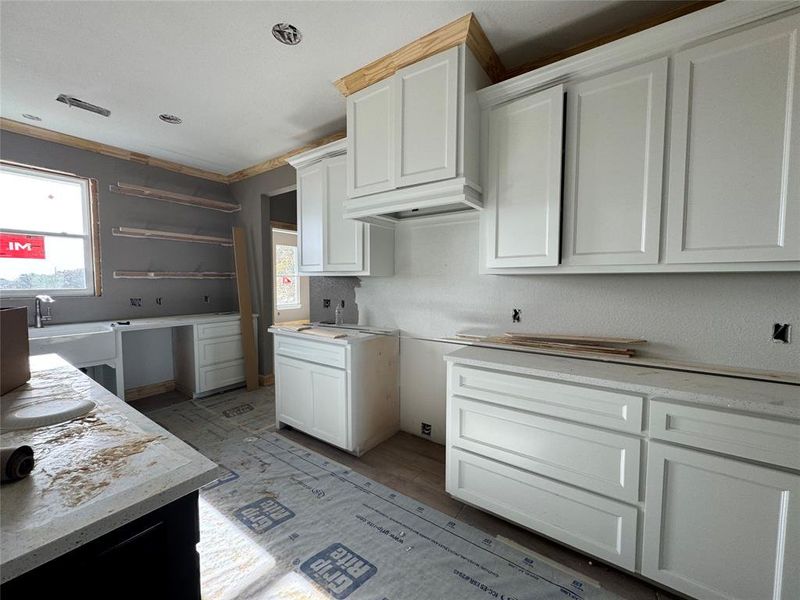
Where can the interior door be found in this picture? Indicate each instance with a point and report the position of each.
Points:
(310, 204)
(613, 167)
(344, 239)
(426, 101)
(734, 178)
(523, 197)
(328, 404)
(370, 139)
(721, 529)
(293, 392)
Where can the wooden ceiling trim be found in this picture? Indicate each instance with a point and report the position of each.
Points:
(613, 36)
(106, 150)
(279, 161)
(465, 30)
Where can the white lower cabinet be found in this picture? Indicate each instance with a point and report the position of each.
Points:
(718, 528)
(702, 499)
(342, 391)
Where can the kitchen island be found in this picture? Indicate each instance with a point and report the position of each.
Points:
(112, 498)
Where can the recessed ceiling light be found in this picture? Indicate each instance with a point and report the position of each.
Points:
(171, 119)
(31, 117)
(287, 34)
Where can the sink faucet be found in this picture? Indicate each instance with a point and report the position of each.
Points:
(39, 318)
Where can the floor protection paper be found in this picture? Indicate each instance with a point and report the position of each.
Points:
(284, 522)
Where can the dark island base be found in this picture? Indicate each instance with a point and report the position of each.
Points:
(152, 557)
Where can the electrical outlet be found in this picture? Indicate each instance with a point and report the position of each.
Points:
(782, 333)
(516, 315)
(207, 299)
(425, 429)
(136, 301)
(326, 303)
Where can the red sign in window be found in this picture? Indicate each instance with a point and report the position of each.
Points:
(17, 245)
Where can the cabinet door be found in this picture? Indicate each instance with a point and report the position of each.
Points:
(293, 392)
(344, 238)
(734, 175)
(717, 528)
(523, 203)
(310, 205)
(370, 139)
(426, 101)
(614, 158)
(328, 394)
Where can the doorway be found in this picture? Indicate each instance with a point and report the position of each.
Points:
(290, 291)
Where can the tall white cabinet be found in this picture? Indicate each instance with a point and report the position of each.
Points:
(680, 152)
(734, 192)
(413, 139)
(329, 243)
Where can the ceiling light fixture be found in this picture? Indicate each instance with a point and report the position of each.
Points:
(72, 101)
(31, 117)
(287, 34)
(171, 119)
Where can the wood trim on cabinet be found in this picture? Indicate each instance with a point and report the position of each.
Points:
(465, 30)
(83, 144)
(669, 15)
(151, 389)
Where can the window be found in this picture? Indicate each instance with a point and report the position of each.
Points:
(287, 280)
(48, 233)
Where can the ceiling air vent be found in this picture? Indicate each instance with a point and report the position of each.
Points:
(72, 101)
(287, 34)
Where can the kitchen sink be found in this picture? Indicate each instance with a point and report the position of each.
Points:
(80, 344)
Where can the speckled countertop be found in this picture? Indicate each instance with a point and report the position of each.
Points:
(92, 475)
(763, 398)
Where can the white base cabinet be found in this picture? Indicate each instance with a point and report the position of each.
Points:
(701, 499)
(342, 391)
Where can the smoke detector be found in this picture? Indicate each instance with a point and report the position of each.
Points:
(287, 34)
(171, 119)
(73, 101)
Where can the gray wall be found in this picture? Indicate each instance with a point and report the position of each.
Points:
(719, 318)
(179, 296)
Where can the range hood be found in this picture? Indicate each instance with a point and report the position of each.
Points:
(451, 195)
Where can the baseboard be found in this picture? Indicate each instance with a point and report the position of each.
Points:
(151, 389)
(266, 379)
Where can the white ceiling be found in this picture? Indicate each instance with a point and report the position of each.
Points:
(243, 96)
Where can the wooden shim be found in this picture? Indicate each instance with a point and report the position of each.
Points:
(579, 339)
(134, 232)
(245, 308)
(172, 275)
(141, 191)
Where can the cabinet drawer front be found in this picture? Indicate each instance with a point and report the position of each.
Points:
(599, 526)
(219, 350)
(312, 351)
(602, 462)
(218, 376)
(720, 529)
(594, 406)
(208, 331)
(773, 442)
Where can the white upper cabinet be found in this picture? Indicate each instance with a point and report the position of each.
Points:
(370, 139)
(613, 170)
(522, 213)
(310, 208)
(426, 123)
(734, 180)
(328, 243)
(414, 140)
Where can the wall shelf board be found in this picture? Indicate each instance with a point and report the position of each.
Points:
(173, 275)
(174, 236)
(129, 189)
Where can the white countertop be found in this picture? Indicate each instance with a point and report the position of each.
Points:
(92, 475)
(353, 333)
(176, 321)
(758, 397)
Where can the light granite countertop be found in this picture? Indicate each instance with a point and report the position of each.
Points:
(352, 334)
(92, 475)
(762, 398)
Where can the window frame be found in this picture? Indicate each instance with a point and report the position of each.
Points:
(295, 275)
(91, 223)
